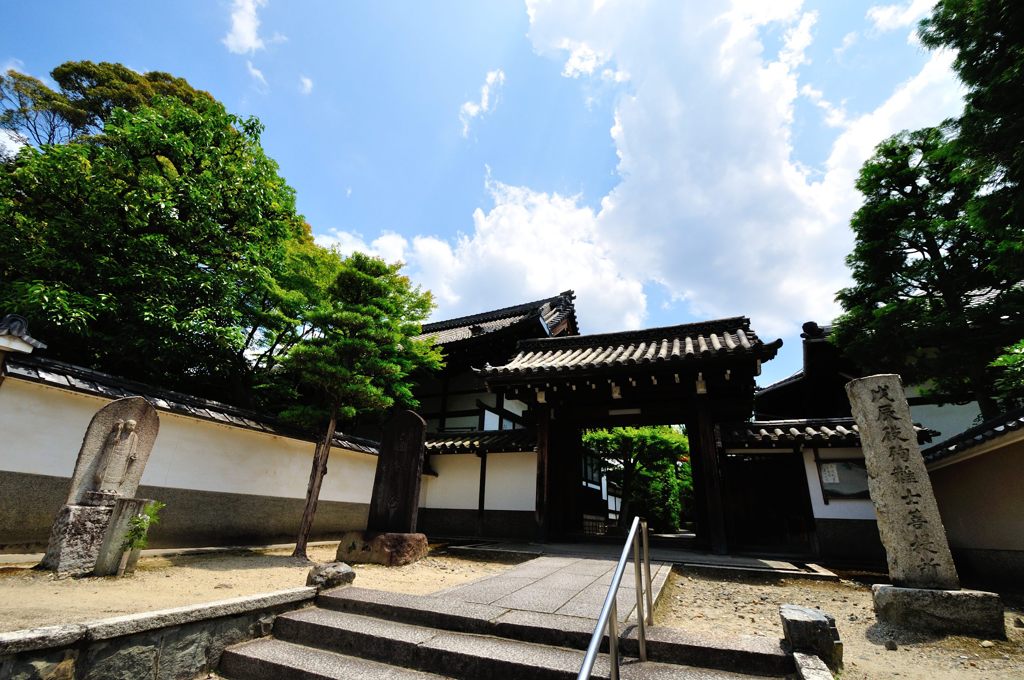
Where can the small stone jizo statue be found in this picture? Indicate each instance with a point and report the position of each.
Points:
(117, 458)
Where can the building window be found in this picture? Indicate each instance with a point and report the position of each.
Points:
(843, 479)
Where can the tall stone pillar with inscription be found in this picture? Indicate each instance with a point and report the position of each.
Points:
(391, 537)
(925, 591)
(108, 470)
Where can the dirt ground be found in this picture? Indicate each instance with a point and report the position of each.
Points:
(31, 598)
(741, 606)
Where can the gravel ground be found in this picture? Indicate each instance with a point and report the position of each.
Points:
(31, 598)
(733, 605)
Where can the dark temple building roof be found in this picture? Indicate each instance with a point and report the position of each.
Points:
(815, 391)
(557, 314)
(830, 432)
(652, 347)
(483, 441)
(976, 436)
(87, 381)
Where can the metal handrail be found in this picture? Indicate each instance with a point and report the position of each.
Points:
(609, 617)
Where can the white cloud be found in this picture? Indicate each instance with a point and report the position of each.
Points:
(10, 143)
(835, 116)
(890, 17)
(582, 59)
(849, 40)
(797, 40)
(305, 85)
(490, 92)
(711, 204)
(257, 75)
(528, 245)
(244, 35)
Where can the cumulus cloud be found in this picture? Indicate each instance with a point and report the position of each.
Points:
(890, 17)
(711, 206)
(244, 35)
(305, 85)
(528, 245)
(490, 92)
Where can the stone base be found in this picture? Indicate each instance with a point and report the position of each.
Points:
(392, 550)
(964, 612)
(75, 539)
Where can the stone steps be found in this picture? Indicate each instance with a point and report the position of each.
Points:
(269, 659)
(356, 632)
(754, 655)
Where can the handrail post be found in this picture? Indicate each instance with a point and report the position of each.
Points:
(613, 641)
(647, 572)
(641, 632)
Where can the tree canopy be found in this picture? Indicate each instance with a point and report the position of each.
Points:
(145, 250)
(932, 296)
(988, 38)
(938, 264)
(359, 356)
(87, 95)
(652, 466)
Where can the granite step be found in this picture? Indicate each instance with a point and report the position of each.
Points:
(457, 654)
(741, 654)
(269, 659)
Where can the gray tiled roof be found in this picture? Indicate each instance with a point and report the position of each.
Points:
(651, 346)
(88, 381)
(16, 326)
(489, 441)
(979, 434)
(786, 433)
(550, 310)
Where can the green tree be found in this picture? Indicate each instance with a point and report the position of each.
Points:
(988, 37)
(153, 249)
(358, 357)
(1010, 374)
(87, 95)
(652, 466)
(933, 296)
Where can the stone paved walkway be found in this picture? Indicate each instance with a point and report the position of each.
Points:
(570, 586)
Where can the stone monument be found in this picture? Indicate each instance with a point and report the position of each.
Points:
(109, 468)
(391, 536)
(925, 591)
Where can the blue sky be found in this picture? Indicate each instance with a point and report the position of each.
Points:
(669, 161)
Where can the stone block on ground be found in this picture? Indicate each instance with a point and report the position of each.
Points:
(389, 549)
(108, 559)
(75, 539)
(964, 612)
(330, 575)
(812, 632)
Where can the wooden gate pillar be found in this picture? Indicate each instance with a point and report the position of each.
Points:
(704, 448)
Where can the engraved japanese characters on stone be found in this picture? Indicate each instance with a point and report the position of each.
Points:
(908, 516)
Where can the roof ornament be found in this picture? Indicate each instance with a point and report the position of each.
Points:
(14, 335)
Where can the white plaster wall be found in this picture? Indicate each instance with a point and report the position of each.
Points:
(837, 508)
(511, 481)
(43, 428)
(457, 485)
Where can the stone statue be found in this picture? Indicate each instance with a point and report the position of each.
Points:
(108, 470)
(114, 452)
(117, 457)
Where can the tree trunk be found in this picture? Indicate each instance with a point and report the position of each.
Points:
(316, 479)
